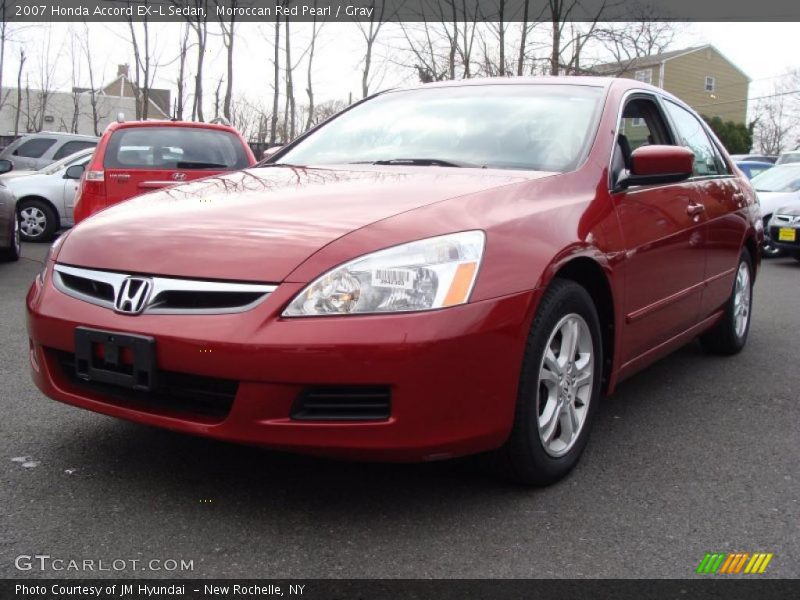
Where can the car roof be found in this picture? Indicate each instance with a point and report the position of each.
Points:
(61, 134)
(167, 123)
(621, 83)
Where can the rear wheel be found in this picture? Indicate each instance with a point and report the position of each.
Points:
(559, 388)
(13, 252)
(38, 220)
(730, 334)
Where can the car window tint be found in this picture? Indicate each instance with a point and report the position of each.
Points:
(71, 148)
(707, 160)
(174, 148)
(34, 148)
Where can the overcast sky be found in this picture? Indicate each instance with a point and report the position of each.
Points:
(764, 51)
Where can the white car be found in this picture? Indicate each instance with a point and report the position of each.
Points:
(45, 198)
(777, 187)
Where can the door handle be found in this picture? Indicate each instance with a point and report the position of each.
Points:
(695, 210)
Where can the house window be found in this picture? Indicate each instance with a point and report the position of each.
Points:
(645, 76)
(710, 83)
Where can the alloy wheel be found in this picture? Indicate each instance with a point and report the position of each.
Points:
(33, 221)
(566, 379)
(741, 299)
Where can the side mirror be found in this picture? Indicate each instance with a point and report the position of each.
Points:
(5, 166)
(270, 151)
(657, 164)
(74, 172)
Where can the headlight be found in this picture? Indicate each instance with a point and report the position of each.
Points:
(422, 275)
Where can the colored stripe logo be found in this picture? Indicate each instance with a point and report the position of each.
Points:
(732, 563)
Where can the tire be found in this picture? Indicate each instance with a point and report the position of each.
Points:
(550, 383)
(797, 257)
(12, 253)
(38, 220)
(730, 334)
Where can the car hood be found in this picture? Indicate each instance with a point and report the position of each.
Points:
(260, 224)
(792, 210)
(771, 201)
(16, 175)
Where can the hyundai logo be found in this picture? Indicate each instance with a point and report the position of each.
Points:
(133, 295)
(179, 176)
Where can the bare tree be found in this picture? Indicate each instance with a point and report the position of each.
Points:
(145, 67)
(198, 21)
(370, 31)
(180, 100)
(276, 81)
(309, 84)
(18, 109)
(88, 55)
(228, 38)
(777, 116)
(46, 83)
(290, 110)
(4, 33)
(626, 42)
(75, 56)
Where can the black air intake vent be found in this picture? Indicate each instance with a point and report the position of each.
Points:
(343, 403)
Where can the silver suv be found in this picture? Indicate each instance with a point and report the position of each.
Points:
(37, 150)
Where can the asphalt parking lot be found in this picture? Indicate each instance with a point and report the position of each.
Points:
(696, 454)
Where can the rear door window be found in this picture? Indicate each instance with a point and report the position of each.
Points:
(71, 148)
(167, 148)
(34, 148)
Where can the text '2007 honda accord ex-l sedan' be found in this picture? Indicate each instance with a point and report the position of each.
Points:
(452, 269)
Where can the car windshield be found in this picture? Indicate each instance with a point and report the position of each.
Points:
(789, 157)
(519, 126)
(778, 179)
(65, 162)
(175, 148)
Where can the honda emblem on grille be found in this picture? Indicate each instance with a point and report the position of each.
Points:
(179, 176)
(133, 295)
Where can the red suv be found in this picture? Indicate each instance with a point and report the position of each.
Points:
(140, 156)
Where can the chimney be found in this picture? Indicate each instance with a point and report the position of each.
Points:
(122, 70)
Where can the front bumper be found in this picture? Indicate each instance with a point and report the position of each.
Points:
(452, 373)
(791, 247)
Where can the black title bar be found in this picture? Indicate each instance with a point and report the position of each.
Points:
(714, 587)
(398, 10)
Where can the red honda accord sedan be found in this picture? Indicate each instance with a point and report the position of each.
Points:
(457, 268)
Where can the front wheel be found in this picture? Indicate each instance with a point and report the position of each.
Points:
(730, 334)
(559, 388)
(38, 221)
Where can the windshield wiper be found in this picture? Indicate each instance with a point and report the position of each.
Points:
(415, 162)
(199, 165)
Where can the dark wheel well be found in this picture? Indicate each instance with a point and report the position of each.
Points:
(752, 247)
(590, 275)
(20, 201)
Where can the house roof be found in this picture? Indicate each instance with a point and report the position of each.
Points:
(644, 61)
(613, 68)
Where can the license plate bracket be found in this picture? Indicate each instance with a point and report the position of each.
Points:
(110, 367)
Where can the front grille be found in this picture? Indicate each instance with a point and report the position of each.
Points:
(167, 295)
(95, 289)
(343, 403)
(178, 392)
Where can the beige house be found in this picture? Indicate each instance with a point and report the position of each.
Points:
(73, 111)
(702, 77)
